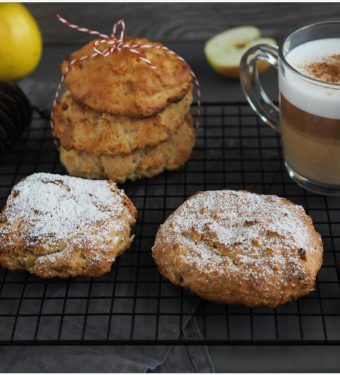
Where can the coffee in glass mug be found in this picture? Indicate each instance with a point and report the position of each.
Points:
(308, 116)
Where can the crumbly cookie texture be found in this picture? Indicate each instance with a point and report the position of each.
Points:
(147, 162)
(241, 248)
(122, 84)
(61, 226)
(79, 128)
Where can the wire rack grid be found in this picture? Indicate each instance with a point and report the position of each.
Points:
(133, 304)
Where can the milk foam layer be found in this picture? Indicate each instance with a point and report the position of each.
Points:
(311, 97)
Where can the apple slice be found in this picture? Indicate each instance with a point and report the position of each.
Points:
(224, 51)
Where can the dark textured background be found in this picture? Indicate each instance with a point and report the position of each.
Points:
(178, 21)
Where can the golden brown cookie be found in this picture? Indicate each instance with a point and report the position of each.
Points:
(61, 226)
(239, 247)
(122, 84)
(148, 162)
(79, 128)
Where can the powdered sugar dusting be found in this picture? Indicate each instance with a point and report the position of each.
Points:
(61, 211)
(242, 230)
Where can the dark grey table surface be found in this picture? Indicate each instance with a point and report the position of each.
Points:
(216, 88)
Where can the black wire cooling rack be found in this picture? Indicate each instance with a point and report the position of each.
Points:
(133, 304)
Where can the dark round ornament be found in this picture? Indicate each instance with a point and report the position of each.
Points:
(15, 114)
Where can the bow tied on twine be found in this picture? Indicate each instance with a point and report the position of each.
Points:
(115, 44)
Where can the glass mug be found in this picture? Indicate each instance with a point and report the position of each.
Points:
(308, 117)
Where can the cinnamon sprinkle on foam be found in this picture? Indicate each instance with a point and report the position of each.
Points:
(327, 69)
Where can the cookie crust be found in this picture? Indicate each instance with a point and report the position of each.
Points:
(121, 84)
(240, 248)
(80, 128)
(147, 162)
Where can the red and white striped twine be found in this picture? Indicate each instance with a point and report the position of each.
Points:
(116, 44)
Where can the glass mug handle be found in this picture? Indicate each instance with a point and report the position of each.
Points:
(255, 94)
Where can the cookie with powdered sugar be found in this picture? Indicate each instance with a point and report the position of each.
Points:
(240, 248)
(61, 226)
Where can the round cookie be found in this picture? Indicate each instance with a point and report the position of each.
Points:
(147, 162)
(240, 248)
(79, 128)
(61, 226)
(122, 84)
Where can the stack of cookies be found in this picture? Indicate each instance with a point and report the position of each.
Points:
(121, 119)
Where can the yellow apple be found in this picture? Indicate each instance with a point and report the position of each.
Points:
(20, 41)
(224, 51)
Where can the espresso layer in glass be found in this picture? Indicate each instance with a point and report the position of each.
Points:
(311, 143)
